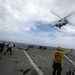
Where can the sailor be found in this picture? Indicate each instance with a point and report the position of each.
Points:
(57, 59)
(9, 48)
(2, 44)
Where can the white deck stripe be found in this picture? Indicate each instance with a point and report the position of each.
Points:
(33, 64)
(70, 60)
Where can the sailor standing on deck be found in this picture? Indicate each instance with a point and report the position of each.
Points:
(2, 44)
(9, 48)
(57, 59)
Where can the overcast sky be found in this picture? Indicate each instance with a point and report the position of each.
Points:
(27, 21)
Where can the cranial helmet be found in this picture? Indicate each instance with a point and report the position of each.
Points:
(59, 48)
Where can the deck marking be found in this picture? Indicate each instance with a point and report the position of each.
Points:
(70, 60)
(33, 64)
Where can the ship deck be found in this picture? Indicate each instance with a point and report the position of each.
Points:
(32, 62)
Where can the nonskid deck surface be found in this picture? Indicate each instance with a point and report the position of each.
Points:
(19, 64)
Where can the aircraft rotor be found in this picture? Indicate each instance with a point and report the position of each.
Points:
(70, 14)
(56, 14)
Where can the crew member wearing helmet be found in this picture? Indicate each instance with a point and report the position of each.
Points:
(57, 59)
(9, 48)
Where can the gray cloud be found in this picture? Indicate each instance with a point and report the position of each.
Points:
(17, 17)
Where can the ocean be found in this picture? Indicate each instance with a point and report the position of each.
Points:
(37, 46)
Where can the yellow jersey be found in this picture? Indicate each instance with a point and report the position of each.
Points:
(57, 57)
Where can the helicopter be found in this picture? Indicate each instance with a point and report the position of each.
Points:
(63, 21)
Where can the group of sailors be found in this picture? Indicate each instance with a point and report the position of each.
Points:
(57, 57)
(8, 48)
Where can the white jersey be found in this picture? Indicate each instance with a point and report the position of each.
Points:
(10, 45)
